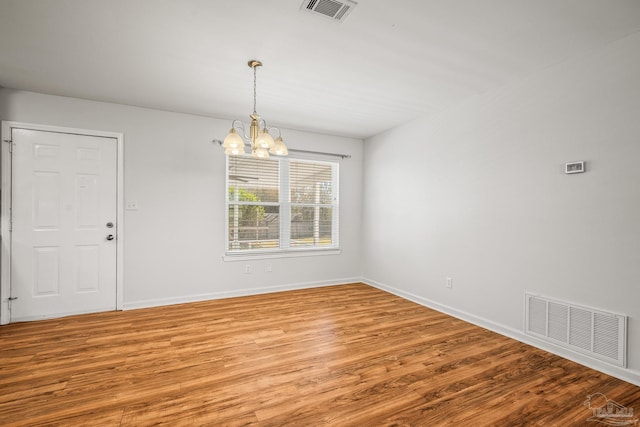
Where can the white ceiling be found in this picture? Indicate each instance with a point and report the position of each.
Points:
(387, 63)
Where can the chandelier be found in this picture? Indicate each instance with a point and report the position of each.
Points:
(262, 143)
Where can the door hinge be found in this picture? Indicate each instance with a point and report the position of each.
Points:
(10, 142)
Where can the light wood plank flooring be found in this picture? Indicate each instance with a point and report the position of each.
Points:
(348, 355)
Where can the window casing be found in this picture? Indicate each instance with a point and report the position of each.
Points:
(281, 205)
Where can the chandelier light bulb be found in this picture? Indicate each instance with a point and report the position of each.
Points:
(233, 140)
(234, 151)
(260, 153)
(264, 139)
(279, 148)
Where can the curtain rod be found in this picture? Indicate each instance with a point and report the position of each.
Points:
(342, 156)
(294, 150)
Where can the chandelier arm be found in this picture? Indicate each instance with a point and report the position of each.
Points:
(277, 129)
(263, 124)
(238, 125)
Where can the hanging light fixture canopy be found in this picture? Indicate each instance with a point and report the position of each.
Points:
(259, 138)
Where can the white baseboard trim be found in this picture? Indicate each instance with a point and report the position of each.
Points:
(158, 302)
(628, 375)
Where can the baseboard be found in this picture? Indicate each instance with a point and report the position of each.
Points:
(132, 305)
(628, 375)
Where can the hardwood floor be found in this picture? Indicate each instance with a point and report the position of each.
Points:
(348, 355)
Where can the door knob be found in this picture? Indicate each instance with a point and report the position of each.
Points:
(110, 237)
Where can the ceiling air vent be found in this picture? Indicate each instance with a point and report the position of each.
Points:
(335, 10)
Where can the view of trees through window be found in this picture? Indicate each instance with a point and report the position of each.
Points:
(311, 203)
(281, 204)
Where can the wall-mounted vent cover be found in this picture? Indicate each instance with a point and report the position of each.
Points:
(336, 10)
(588, 331)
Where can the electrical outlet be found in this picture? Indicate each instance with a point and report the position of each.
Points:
(247, 269)
(269, 268)
(131, 206)
(449, 283)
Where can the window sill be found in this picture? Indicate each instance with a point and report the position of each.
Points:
(279, 254)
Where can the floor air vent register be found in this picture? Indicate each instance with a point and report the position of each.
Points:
(584, 330)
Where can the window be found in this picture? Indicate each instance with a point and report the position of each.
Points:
(277, 205)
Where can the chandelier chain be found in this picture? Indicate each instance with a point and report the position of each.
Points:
(254, 90)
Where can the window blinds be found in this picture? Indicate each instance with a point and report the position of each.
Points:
(281, 204)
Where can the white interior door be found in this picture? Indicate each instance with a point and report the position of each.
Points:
(63, 220)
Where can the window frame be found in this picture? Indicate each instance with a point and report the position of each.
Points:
(285, 205)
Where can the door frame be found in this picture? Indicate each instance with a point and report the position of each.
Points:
(5, 206)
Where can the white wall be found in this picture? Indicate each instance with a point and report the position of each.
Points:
(174, 243)
(482, 198)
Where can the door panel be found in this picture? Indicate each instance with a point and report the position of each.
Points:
(64, 192)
